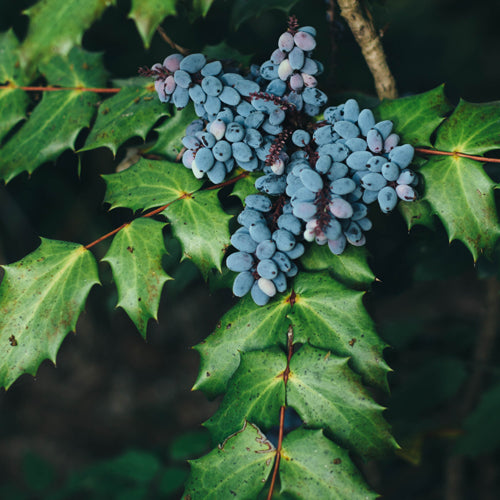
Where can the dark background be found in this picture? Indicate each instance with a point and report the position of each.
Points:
(112, 392)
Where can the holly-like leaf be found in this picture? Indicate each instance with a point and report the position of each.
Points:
(135, 258)
(472, 128)
(415, 117)
(245, 9)
(238, 468)
(148, 184)
(56, 26)
(245, 186)
(201, 8)
(255, 393)
(171, 132)
(461, 193)
(201, 225)
(149, 14)
(328, 315)
(130, 113)
(41, 297)
(328, 395)
(13, 102)
(350, 268)
(245, 327)
(223, 51)
(57, 120)
(417, 212)
(312, 466)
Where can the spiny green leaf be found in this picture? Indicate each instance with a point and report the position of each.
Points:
(417, 212)
(56, 26)
(415, 117)
(243, 328)
(201, 225)
(135, 258)
(57, 120)
(201, 8)
(41, 297)
(350, 268)
(171, 132)
(461, 193)
(13, 102)
(130, 113)
(312, 466)
(255, 393)
(149, 14)
(238, 468)
(327, 394)
(328, 315)
(472, 128)
(148, 184)
(245, 9)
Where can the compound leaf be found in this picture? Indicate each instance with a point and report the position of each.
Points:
(312, 466)
(415, 117)
(255, 393)
(57, 120)
(243, 328)
(135, 257)
(56, 26)
(130, 113)
(148, 184)
(350, 268)
(13, 102)
(237, 468)
(201, 225)
(41, 297)
(328, 315)
(327, 394)
(244, 9)
(461, 193)
(148, 15)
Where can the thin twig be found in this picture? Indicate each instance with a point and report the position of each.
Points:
(54, 89)
(368, 39)
(462, 155)
(172, 44)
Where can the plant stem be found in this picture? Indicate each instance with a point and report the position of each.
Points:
(54, 89)
(371, 47)
(461, 155)
(172, 44)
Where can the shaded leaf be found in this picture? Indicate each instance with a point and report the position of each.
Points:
(171, 132)
(415, 117)
(312, 466)
(481, 426)
(255, 393)
(350, 268)
(461, 194)
(13, 102)
(417, 212)
(222, 51)
(130, 113)
(148, 184)
(135, 257)
(248, 9)
(201, 225)
(328, 315)
(41, 297)
(201, 8)
(245, 327)
(56, 26)
(149, 14)
(238, 468)
(327, 394)
(57, 120)
(245, 186)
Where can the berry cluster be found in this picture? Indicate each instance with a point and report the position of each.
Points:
(319, 176)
